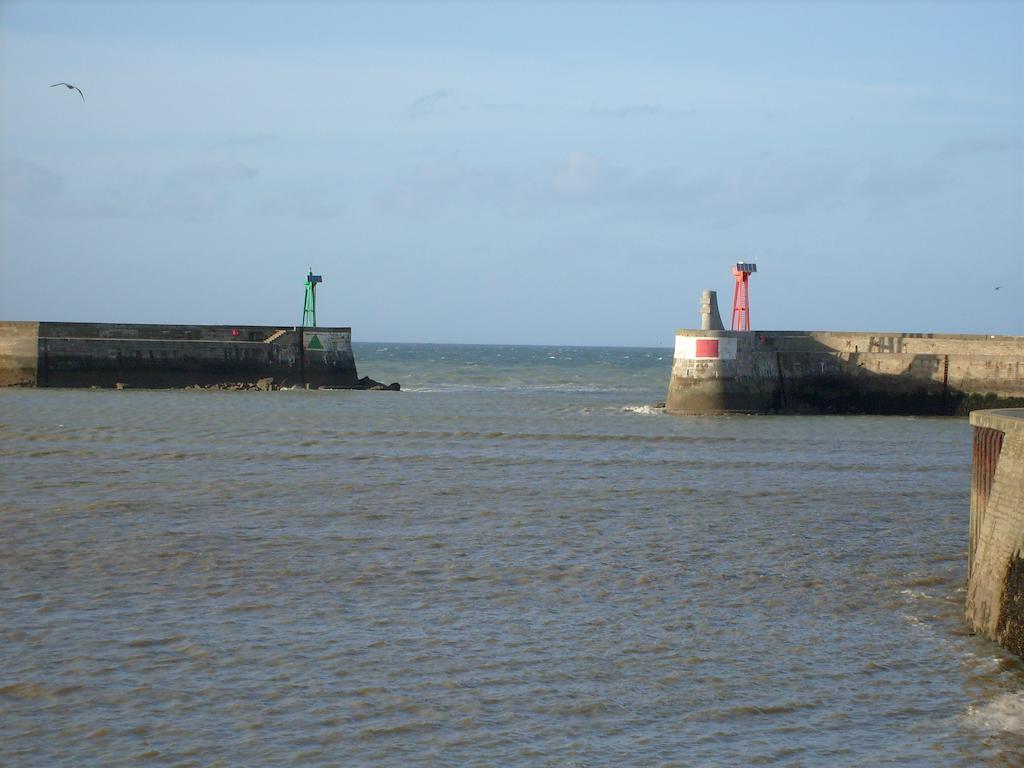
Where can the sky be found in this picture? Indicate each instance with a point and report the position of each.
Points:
(514, 172)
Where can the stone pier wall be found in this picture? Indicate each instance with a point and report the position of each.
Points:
(50, 354)
(995, 589)
(843, 372)
(19, 354)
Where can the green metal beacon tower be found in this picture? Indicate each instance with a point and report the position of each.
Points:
(309, 308)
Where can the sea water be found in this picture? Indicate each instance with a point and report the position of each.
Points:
(518, 560)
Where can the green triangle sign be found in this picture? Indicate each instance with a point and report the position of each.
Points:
(314, 343)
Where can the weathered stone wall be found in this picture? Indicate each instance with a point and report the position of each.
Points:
(824, 372)
(327, 357)
(19, 353)
(995, 589)
(155, 356)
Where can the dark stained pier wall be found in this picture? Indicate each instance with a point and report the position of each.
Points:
(49, 354)
(839, 372)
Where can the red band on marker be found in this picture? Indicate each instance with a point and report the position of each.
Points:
(707, 348)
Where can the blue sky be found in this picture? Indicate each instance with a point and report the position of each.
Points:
(514, 172)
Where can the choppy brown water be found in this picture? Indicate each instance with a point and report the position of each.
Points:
(515, 563)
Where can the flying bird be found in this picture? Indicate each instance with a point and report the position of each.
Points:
(70, 87)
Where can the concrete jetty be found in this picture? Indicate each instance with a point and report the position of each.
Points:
(995, 560)
(843, 372)
(748, 371)
(48, 354)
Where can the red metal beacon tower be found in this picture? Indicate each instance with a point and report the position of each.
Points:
(741, 296)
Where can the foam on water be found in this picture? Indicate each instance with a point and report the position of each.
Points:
(645, 410)
(1004, 713)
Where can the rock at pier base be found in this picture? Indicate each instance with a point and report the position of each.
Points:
(367, 383)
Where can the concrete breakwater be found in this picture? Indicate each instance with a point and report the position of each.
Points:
(47, 354)
(716, 371)
(995, 560)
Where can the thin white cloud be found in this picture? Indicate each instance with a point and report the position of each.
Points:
(195, 191)
(628, 110)
(976, 146)
(585, 174)
(588, 185)
(198, 192)
(309, 198)
(214, 171)
(494, 106)
(430, 104)
(30, 186)
(248, 141)
(893, 185)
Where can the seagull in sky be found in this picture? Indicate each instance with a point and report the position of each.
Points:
(71, 87)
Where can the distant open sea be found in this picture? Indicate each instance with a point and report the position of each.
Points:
(515, 561)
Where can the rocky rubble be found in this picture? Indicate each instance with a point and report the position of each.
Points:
(268, 385)
(262, 385)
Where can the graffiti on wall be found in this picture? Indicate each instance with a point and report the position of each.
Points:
(886, 344)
